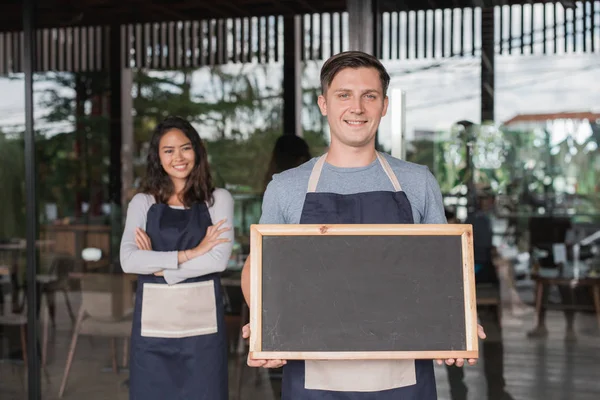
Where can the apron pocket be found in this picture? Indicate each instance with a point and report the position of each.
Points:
(359, 375)
(178, 311)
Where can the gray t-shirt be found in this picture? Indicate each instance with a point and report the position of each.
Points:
(284, 197)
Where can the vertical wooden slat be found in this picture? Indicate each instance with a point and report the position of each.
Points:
(98, 47)
(249, 54)
(154, 44)
(21, 50)
(260, 35)
(302, 37)
(574, 24)
(160, 45)
(416, 35)
(146, 48)
(209, 43)
(224, 41)
(433, 32)
(189, 46)
(390, 36)
(584, 25)
(345, 36)
(474, 24)
(276, 38)
(268, 38)
(184, 39)
(52, 50)
(331, 36)
(532, 28)
(46, 50)
(174, 45)
(76, 50)
(565, 27)
(321, 36)
(171, 45)
(8, 50)
(407, 33)
(426, 14)
(522, 30)
(311, 37)
(125, 33)
(461, 12)
(236, 36)
(83, 49)
(555, 27)
(38, 50)
(452, 14)
(3, 70)
(14, 38)
(243, 41)
(69, 49)
(60, 37)
(194, 55)
(593, 25)
(544, 27)
(202, 44)
(183, 44)
(217, 42)
(398, 34)
(443, 33)
(500, 28)
(156, 51)
(510, 29)
(91, 52)
(136, 44)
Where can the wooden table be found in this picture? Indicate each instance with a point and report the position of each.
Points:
(15, 250)
(544, 281)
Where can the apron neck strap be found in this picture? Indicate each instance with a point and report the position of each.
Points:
(389, 172)
(316, 174)
(318, 168)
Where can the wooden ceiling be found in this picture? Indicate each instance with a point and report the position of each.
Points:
(65, 13)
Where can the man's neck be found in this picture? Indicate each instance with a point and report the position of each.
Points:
(350, 157)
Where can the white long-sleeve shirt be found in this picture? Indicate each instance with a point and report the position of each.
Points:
(144, 262)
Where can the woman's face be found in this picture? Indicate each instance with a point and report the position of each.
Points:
(177, 155)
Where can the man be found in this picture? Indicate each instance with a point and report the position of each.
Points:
(353, 184)
(488, 298)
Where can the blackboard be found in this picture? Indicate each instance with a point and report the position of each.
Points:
(362, 292)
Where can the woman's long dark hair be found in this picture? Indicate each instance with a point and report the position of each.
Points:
(198, 186)
(290, 151)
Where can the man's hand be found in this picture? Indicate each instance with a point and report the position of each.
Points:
(260, 363)
(459, 362)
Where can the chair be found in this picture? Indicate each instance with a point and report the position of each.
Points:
(20, 321)
(56, 280)
(105, 311)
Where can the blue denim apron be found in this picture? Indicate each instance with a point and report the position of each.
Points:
(192, 367)
(378, 207)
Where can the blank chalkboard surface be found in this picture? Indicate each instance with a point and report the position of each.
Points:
(362, 292)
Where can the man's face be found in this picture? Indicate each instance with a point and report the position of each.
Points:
(354, 104)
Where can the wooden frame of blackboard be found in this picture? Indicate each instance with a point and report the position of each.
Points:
(464, 231)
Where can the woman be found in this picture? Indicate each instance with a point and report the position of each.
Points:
(178, 343)
(289, 152)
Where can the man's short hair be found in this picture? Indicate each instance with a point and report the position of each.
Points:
(352, 59)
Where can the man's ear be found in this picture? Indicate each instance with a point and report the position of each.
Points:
(386, 102)
(322, 105)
